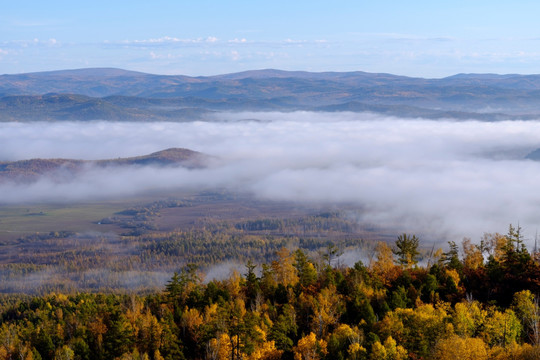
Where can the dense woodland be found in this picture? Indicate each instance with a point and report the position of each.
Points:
(475, 301)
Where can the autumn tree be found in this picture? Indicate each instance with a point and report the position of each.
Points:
(472, 255)
(327, 309)
(310, 348)
(191, 325)
(387, 351)
(461, 348)
(64, 353)
(393, 350)
(219, 348)
(341, 339)
(527, 309)
(500, 328)
(9, 341)
(493, 245)
(468, 318)
(284, 269)
(417, 330)
(515, 351)
(383, 267)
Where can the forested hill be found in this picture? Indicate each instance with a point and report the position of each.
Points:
(297, 307)
(114, 94)
(27, 170)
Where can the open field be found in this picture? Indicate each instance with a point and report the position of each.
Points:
(20, 220)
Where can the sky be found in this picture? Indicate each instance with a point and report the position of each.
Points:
(415, 38)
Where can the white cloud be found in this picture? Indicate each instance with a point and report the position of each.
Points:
(34, 43)
(235, 55)
(166, 40)
(171, 40)
(238, 41)
(291, 41)
(168, 56)
(442, 179)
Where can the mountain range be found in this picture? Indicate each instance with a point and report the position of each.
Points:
(115, 94)
(29, 170)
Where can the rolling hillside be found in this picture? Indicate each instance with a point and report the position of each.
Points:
(28, 170)
(114, 94)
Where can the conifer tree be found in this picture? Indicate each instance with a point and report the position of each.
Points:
(406, 250)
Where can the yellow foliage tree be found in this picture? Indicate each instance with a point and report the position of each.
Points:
(266, 351)
(389, 351)
(468, 318)
(64, 353)
(394, 351)
(345, 332)
(384, 267)
(219, 348)
(233, 284)
(157, 355)
(283, 268)
(210, 313)
(9, 341)
(378, 351)
(310, 348)
(495, 244)
(461, 348)
(515, 351)
(149, 332)
(341, 340)
(356, 351)
(500, 328)
(326, 310)
(98, 329)
(472, 255)
(454, 275)
(191, 320)
(528, 310)
(418, 330)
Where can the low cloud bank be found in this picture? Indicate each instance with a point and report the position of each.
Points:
(447, 179)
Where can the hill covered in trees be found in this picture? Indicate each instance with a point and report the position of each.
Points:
(115, 94)
(32, 169)
(477, 302)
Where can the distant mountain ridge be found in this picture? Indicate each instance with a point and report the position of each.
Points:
(116, 94)
(28, 170)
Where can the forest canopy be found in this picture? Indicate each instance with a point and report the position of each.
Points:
(475, 301)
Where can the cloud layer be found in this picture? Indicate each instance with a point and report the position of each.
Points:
(445, 179)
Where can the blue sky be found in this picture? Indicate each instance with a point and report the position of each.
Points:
(418, 38)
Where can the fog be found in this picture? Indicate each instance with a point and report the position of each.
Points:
(442, 178)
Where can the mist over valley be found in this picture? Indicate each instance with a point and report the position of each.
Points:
(137, 166)
(448, 178)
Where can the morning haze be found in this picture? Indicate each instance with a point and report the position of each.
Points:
(446, 179)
